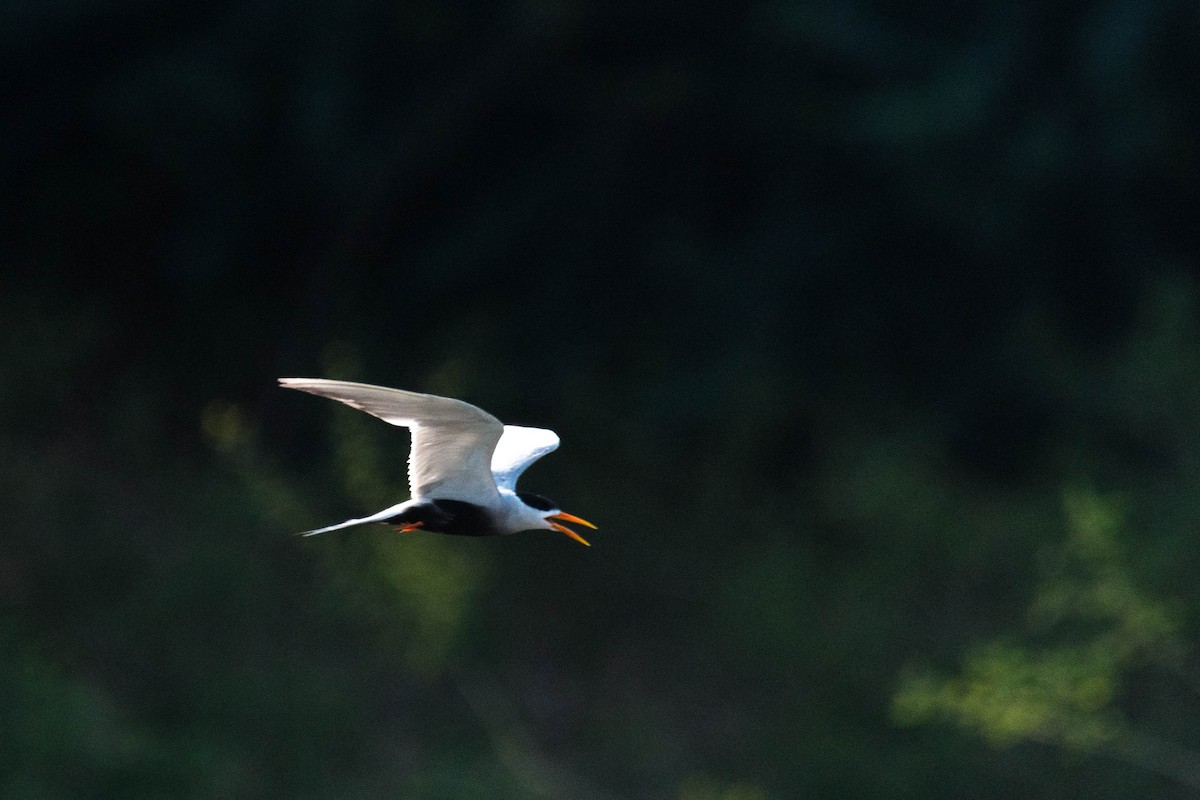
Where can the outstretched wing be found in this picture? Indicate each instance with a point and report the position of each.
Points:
(452, 441)
(517, 449)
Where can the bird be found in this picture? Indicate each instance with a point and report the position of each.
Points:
(463, 465)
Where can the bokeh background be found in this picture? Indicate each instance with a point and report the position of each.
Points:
(871, 331)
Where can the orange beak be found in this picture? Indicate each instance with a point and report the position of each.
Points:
(565, 517)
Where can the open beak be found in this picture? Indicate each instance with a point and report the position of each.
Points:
(565, 517)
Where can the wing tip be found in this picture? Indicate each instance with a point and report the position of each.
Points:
(313, 385)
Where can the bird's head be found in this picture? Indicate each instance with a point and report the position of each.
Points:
(550, 516)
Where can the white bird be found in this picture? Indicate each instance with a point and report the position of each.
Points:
(463, 466)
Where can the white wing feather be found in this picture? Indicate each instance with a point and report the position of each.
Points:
(517, 449)
(452, 441)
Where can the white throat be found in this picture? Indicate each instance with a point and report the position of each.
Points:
(513, 515)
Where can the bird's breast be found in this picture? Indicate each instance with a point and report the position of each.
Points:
(452, 517)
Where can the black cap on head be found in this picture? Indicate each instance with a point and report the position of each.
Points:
(536, 501)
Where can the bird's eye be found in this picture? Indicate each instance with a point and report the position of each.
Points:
(535, 501)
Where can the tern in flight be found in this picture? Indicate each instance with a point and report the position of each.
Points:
(462, 468)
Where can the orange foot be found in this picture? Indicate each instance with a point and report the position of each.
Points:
(409, 526)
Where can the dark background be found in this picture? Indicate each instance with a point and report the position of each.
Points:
(832, 304)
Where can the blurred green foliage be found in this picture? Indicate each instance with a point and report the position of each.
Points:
(830, 304)
(1093, 630)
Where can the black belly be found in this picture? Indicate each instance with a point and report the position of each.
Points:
(453, 517)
